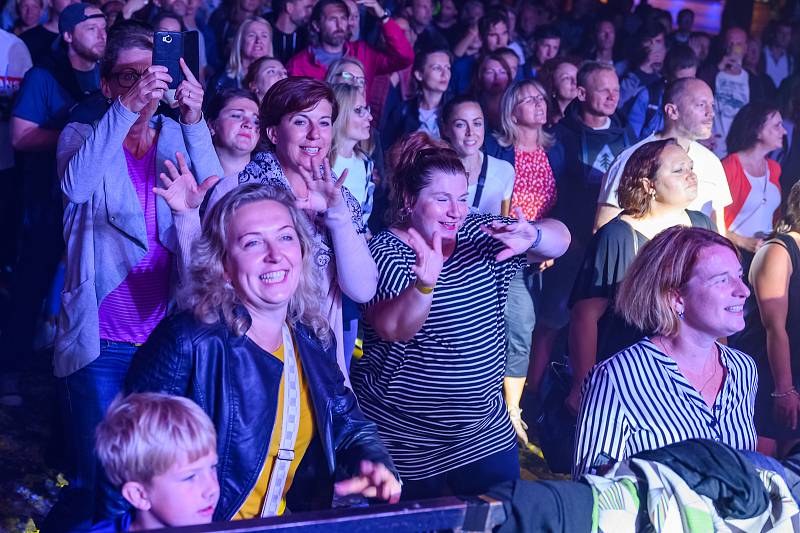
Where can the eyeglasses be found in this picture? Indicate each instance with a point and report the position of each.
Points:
(362, 110)
(349, 77)
(127, 78)
(535, 100)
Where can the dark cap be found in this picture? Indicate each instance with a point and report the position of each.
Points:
(75, 14)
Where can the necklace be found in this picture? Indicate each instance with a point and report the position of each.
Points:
(707, 381)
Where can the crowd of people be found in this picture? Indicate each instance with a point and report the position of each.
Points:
(337, 257)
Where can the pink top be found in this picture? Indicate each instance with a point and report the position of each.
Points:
(131, 311)
(534, 186)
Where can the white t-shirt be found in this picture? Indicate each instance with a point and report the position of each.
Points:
(356, 180)
(498, 186)
(731, 93)
(428, 122)
(15, 61)
(755, 216)
(713, 192)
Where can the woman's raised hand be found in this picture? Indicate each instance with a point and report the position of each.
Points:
(181, 191)
(517, 237)
(150, 86)
(430, 259)
(189, 96)
(323, 191)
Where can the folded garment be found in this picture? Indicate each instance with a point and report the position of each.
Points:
(717, 471)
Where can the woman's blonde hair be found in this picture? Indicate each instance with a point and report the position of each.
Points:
(346, 96)
(337, 67)
(660, 270)
(212, 299)
(236, 68)
(509, 135)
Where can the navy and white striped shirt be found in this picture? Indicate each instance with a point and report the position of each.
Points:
(639, 400)
(438, 398)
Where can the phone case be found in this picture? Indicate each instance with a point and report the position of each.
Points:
(167, 51)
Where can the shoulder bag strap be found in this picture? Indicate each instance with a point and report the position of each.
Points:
(481, 181)
(290, 427)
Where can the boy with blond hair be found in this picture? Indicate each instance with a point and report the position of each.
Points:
(161, 452)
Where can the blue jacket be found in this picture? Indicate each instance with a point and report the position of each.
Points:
(104, 226)
(237, 384)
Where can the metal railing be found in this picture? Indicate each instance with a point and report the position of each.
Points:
(480, 514)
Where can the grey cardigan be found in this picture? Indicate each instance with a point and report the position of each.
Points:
(104, 226)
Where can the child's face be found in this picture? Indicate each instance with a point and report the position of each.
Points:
(186, 494)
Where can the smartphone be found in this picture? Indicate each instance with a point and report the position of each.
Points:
(170, 46)
(167, 51)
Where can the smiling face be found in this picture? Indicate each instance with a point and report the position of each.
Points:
(601, 94)
(236, 128)
(440, 207)
(301, 137)
(772, 132)
(675, 182)
(186, 494)
(465, 130)
(269, 72)
(713, 297)
(264, 257)
(257, 41)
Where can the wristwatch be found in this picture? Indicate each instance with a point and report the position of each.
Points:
(386, 15)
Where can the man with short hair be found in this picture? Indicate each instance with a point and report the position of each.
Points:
(493, 31)
(778, 62)
(49, 92)
(290, 30)
(587, 139)
(421, 19)
(40, 38)
(688, 118)
(546, 45)
(685, 23)
(329, 23)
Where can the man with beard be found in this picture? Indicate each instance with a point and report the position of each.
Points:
(290, 30)
(49, 92)
(688, 117)
(331, 41)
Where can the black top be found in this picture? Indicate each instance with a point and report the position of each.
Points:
(38, 40)
(607, 259)
(753, 340)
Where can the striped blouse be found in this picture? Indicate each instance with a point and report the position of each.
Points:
(639, 400)
(438, 398)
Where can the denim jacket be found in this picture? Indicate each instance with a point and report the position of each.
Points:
(236, 383)
(104, 225)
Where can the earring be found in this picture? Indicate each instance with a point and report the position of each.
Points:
(403, 214)
(652, 194)
(681, 314)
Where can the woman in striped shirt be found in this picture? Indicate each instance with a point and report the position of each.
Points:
(685, 286)
(431, 375)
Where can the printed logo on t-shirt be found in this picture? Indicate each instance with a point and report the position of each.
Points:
(603, 160)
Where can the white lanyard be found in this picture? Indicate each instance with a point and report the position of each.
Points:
(290, 426)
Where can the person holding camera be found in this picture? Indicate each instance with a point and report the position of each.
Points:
(121, 241)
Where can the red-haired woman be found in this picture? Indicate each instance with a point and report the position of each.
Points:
(431, 375)
(296, 121)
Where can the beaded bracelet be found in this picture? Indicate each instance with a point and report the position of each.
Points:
(789, 392)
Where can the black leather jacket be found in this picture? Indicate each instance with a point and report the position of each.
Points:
(237, 384)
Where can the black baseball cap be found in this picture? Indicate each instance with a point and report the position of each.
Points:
(74, 14)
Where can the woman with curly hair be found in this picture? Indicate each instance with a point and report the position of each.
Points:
(254, 351)
(656, 187)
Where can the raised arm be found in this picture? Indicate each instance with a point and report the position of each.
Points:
(397, 54)
(400, 318)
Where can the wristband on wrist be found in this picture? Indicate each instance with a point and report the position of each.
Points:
(538, 238)
(424, 289)
(386, 15)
